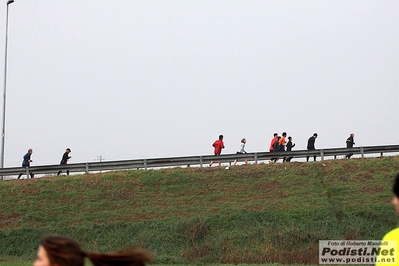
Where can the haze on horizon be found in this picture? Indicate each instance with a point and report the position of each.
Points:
(143, 79)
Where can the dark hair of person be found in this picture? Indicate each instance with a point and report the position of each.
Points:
(220, 136)
(64, 251)
(395, 187)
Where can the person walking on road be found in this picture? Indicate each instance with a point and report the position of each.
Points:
(26, 163)
(349, 144)
(218, 145)
(64, 160)
(311, 147)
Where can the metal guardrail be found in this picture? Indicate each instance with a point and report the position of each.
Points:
(188, 161)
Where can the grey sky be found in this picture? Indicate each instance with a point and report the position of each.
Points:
(141, 79)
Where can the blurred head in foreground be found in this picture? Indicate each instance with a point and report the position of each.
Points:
(56, 250)
(395, 190)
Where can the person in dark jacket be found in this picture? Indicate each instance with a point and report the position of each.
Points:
(311, 146)
(64, 160)
(349, 144)
(290, 145)
(26, 162)
(272, 144)
(276, 148)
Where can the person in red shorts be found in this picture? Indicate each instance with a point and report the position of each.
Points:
(218, 145)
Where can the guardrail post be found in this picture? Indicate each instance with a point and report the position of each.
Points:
(200, 161)
(322, 155)
(87, 168)
(362, 151)
(145, 164)
(256, 158)
(27, 172)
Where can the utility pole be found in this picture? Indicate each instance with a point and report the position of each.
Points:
(3, 134)
(100, 159)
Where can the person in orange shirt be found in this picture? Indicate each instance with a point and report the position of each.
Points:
(281, 143)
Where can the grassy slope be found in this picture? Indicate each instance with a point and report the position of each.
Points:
(253, 214)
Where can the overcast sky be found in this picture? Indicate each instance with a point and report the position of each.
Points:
(134, 79)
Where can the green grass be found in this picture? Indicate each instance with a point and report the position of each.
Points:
(249, 214)
(24, 263)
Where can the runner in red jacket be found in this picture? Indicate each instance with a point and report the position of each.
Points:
(218, 145)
